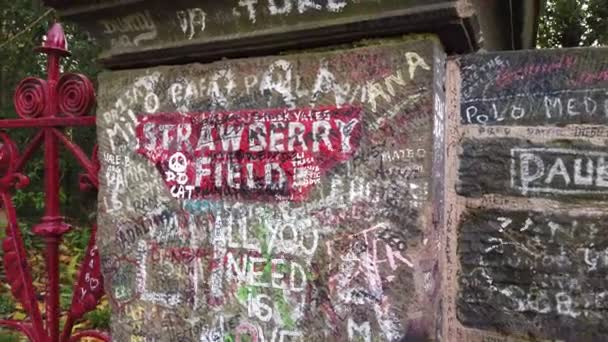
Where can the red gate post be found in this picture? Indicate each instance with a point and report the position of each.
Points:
(60, 101)
(52, 226)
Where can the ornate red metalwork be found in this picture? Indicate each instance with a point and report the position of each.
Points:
(50, 105)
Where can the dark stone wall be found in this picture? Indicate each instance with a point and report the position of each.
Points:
(535, 89)
(529, 195)
(569, 170)
(536, 272)
(278, 198)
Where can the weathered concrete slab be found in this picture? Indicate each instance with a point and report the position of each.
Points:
(134, 33)
(279, 198)
(534, 272)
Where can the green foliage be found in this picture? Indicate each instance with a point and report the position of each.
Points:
(6, 336)
(571, 23)
(100, 318)
(7, 304)
(77, 239)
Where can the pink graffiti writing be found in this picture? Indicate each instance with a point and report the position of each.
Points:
(508, 76)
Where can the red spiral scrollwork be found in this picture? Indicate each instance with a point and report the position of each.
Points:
(76, 94)
(31, 97)
(8, 159)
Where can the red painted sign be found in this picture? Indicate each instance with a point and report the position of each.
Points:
(262, 154)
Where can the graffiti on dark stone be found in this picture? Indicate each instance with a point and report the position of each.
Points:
(561, 169)
(535, 89)
(534, 273)
(530, 192)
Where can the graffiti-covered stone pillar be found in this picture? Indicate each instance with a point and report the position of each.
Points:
(526, 212)
(279, 198)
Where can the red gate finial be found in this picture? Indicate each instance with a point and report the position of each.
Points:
(50, 105)
(55, 41)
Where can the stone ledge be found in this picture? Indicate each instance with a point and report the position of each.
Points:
(134, 34)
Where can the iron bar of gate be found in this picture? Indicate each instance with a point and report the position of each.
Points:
(60, 101)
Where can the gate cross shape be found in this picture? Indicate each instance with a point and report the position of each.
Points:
(50, 105)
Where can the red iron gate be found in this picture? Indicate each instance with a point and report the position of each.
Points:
(50, 106)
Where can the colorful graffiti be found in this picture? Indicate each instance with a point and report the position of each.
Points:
(262, 154)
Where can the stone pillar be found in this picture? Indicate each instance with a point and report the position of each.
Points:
(526, 208)
(278, 198)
